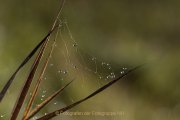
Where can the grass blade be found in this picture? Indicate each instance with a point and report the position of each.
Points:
(9, 82)
(25, 89)
(45, 64)
(28, 107)
(28, 81)
(42, 105)
(58, 112)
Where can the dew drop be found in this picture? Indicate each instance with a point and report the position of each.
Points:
(34, 118)
(55, 103)
(108, 77)
(75, 45)
(124, 68)
(65, 72)
(93, 58)
(122, 72)
(43, 96)
(113, 75)
(59, 71)
(103, 63)
(75, 67)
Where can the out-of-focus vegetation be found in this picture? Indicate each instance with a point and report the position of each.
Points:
(120, 32)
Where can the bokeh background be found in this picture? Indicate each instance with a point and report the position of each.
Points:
(108, 35)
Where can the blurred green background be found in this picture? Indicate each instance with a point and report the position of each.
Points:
(122, 33)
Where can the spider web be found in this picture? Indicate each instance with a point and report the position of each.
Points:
(69, 62)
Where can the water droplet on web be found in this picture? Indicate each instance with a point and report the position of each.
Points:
(42, 99)
(108, 65)
(55, 103)
(45, 78)
(75, 67)
(75, 45)
(59, 71)
(122, 72)
(45, 113)
(113, 75)
(43, 96)
(109, 77)
(93, 58)
(65, 72)
(124, 68)
(34, 118)
(103, 63)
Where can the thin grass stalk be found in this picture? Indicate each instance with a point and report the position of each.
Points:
(59, 111)
(44, 103)
(9, 82)
(37, 85)
(28, 81)
(45, 65)
(26, 86)
(25, 89)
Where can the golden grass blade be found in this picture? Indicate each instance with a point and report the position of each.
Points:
(28, 107)
(25, 89)
(58, 112)
(28, 82)
(44, 103)
(9, 82)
